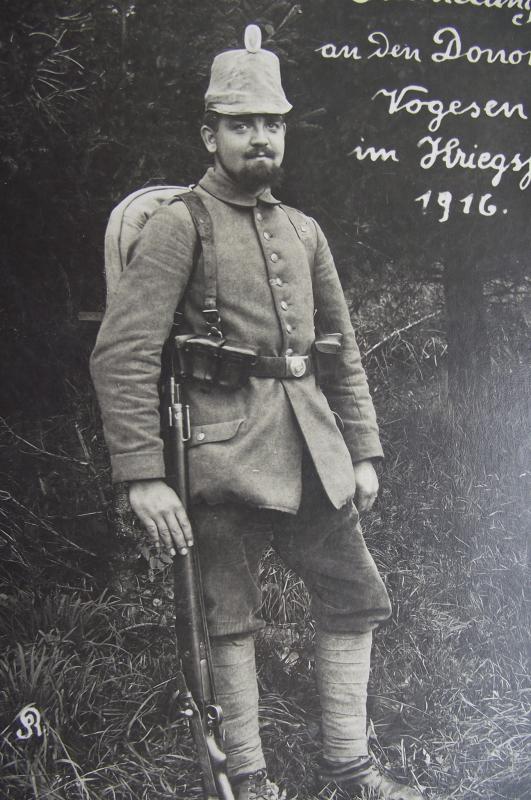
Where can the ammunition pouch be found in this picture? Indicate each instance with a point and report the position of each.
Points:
(325, 352)
(216, 361)
(213, 360)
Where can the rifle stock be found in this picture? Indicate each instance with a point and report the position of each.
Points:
(195, 681)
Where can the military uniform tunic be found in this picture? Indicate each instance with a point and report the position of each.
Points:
(274, 270)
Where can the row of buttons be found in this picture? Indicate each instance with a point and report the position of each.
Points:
(276, 281)
(267, 236)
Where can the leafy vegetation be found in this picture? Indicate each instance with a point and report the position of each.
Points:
(86, 624)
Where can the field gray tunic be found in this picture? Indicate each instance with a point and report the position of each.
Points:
(273, 272)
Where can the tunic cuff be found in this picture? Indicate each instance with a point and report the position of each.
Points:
(137, 466)
(365, 447)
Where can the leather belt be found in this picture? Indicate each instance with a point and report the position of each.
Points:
(282, 367)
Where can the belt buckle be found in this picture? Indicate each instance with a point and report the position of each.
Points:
(297, 365)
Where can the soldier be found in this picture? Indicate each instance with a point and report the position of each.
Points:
(279, 460)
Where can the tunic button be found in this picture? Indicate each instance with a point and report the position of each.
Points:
(267, 235)
(278, 281)
(289, 328)
(201, 436)
(304, 227)
(259, 216)
(274, 257)
(289, 351)
(284, 305)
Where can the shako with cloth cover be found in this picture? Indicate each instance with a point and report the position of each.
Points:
(247, 81)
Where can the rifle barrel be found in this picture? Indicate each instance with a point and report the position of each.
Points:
(191, 627)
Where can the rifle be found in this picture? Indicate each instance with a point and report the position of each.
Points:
(195, 695)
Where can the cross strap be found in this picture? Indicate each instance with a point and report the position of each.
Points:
(203, 224)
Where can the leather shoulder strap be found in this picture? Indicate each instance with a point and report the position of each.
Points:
(203, 224)
(305, 230)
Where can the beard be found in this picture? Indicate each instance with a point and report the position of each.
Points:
(256, 175)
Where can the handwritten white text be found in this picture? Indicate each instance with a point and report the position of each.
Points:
(375, 154)
(407, 100)
(521, 17)
(451, 155)
(450, 39)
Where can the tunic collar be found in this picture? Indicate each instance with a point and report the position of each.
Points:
(229, 192)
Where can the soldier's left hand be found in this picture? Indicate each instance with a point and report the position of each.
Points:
(366, 485)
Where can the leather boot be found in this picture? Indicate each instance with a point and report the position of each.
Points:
(358, 775)
(255, 786)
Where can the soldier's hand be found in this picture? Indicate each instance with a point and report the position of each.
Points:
(162, 514)
(366, 485)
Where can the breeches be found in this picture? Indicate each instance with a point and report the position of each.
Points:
(321, 544)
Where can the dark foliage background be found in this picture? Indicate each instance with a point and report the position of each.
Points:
(100, 98)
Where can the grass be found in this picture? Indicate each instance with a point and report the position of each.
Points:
(85, 626)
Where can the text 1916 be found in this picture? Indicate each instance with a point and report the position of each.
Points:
(466, 205)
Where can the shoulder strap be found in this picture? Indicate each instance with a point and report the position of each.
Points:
(303, 228)
(203, 224)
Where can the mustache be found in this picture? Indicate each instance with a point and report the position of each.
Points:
(260, 151)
